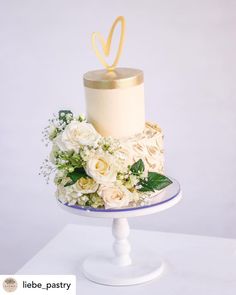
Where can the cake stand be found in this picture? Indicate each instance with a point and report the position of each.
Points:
(120, 267)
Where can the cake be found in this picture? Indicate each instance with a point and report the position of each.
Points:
(115, 106)
(112, 157)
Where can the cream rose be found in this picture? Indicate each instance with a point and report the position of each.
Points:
(114, 196)
(101, 168)
(86, 185)
(76, 134)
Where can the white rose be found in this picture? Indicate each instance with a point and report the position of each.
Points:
(86, 185)
(76, 134)
(114, 196)
(101, 168)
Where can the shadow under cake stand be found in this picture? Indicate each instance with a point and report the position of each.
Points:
(120, 268)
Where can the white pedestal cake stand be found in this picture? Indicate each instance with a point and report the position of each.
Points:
(118, 268)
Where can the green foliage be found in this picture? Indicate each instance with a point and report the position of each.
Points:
(75, 175)
(137, 168)
(68, 161)
(154, 181)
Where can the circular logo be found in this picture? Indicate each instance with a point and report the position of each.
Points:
(9, 285)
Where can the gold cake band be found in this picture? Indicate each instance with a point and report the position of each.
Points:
(116, 79)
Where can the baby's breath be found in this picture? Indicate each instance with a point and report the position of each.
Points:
(46, 169)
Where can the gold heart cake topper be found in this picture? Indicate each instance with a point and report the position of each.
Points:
(106, 45)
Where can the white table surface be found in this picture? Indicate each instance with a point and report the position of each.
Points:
(195, 264)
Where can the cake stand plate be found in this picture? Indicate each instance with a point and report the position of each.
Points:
(120, 268)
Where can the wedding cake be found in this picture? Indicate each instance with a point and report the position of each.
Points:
(115, 106)
(112, 157)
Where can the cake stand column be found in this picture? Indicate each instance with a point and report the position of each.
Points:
(115, 268)
(121, 245)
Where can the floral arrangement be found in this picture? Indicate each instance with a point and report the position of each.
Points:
(94, 171)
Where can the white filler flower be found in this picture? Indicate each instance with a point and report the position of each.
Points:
(114, 196)
(78, 133)
(101, 168)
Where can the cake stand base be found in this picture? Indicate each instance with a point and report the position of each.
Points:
(100, 269)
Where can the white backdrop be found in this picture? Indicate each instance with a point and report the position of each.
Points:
(187, 51)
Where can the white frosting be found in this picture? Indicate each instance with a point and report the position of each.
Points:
(147, 146)
(116, 112)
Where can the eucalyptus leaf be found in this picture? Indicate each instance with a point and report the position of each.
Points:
(138, 167)
(154, 181)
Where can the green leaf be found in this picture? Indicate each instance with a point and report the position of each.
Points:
(75, 175)
(137, 168)
(154, 181)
